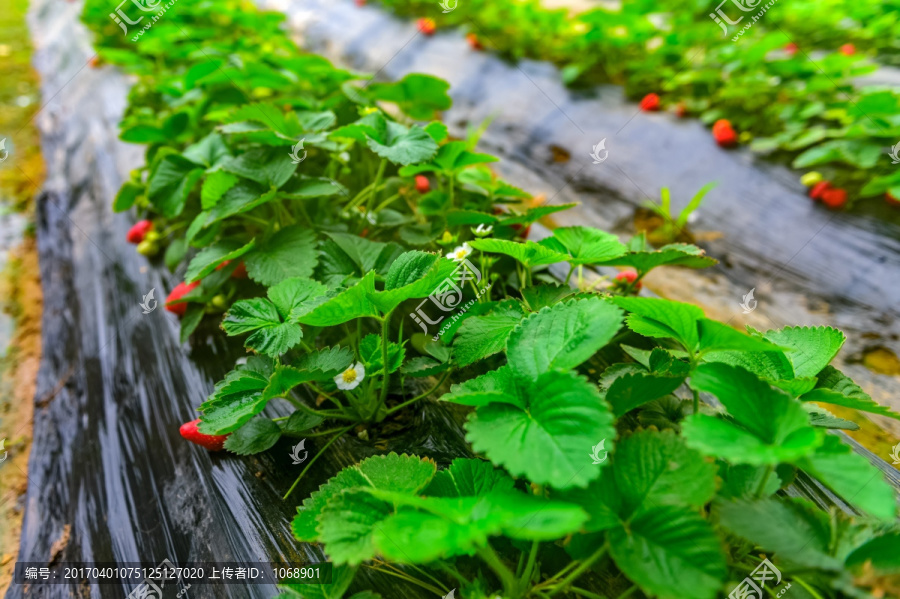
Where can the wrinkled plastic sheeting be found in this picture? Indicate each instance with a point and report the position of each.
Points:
(110, 478)
(771, 231)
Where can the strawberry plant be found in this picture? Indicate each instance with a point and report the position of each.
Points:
(310, 208)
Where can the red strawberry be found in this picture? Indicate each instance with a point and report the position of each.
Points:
(681, 110)
(138, 231)
(848, 49)
(891, 199)
(181, 290)
(650, 103)
(628, 276)
(360, 2)
(427, 25)
(240, 272)
(725, 136)
(190, 432)
(818, 189)
(722, 124)
(791, 49)
(422, 184)
(474, 42)
(834, 198)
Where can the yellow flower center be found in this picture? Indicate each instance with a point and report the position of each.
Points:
(349, 375)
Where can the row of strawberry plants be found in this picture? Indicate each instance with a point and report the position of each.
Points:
(782, 100)
(598, 464)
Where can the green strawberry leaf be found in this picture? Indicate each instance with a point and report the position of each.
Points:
(421, 366)
(853, 477)
(365, 253)
(331, 361)
(170, 184)
(458, 526)
(834, 387)
(792, 528)
(271, 334)
(296, 296)
(676, 254)
(418, 274)
(715, 336)
(299, 423)
(258, 435)
(670, 553)
(633, 390)
(496, 386)
(809, 349)
(127, 196)
(344, 305)
(649, 469)
(371, 356)
(528, 253)
(770, 427)
(547, 440)
(214, 187)
(419, 96)
(561, 336)
(535, 214)
(883, 553)
(235, 400)
(399, 473)
(271, 167)
(481, 336)
(653, 317)
(291, 252)
(208, 152)
(403, 146)
(468, 478)
(207, 260)
(588, 245)
(348, 524)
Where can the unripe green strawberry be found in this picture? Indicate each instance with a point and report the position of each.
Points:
(219, 302)
(147, 248)
(811, 178)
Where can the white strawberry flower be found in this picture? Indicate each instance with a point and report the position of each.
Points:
(482, 230)
(351, 378)
(461, 252)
